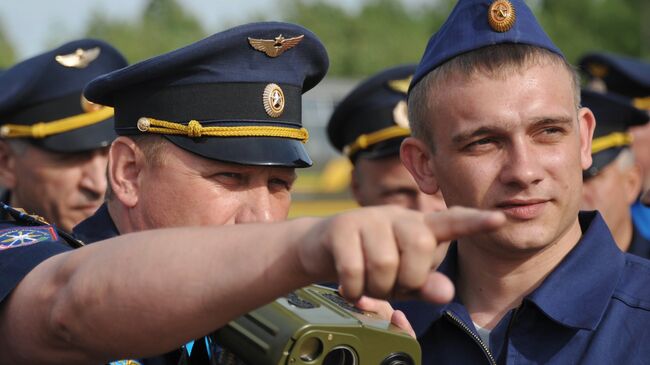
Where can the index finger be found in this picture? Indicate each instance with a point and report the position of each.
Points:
(457, 222)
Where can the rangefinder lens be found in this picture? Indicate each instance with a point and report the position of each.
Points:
(342, 355)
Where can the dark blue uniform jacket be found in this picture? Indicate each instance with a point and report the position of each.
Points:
(594, 308)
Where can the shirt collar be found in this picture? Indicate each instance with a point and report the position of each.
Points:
(97, 227)
(577, 293)
(639, 246)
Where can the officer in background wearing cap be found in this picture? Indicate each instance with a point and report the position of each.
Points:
(613, 181)
(54, 142)
(495, 113)
(631, 78)
(210, 134)
(368, 127)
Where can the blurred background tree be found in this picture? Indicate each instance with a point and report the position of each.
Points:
(164, 25)
(375, 34)
(7, 53)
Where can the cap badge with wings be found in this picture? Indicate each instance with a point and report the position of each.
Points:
(275, 47)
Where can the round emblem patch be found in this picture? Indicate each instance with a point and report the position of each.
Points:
(273, 99)
(501, 15)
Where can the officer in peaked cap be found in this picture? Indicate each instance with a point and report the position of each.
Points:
(168, 168)
(54, 141)
(215, 128)
(613, 181)
(368, 127)
(619, 74)
(630, 77)
(496, 120)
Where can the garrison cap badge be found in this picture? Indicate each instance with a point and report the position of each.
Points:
(221, 99)
(43, 102)
(467, 29)
(501, 15)
(372, 120)
(80, 58)
(275, 47)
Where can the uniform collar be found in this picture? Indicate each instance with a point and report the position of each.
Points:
(577, 293)
(639, 246)
(97, 227)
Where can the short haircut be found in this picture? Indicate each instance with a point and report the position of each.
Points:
(494, 61)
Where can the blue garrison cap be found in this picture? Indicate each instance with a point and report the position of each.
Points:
(614, 114)
(41, 97)
(475, 24)
(372, 120)
(234, 96)
(622, 75)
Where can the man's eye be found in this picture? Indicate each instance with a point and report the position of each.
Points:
(230, 177)
(480, 143)
(281, 184)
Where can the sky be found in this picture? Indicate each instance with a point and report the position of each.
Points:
(30, 24)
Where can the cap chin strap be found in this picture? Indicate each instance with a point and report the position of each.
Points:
(195, 129)
(616, 139)
(366, 140)
(46, 129)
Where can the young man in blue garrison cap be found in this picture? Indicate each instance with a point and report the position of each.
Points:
(54, 142)
(629, 77)
(368, 127)
(210, 135)
(613, 181)
(497, 124)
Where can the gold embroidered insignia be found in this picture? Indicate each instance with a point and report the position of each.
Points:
(275, 47)
(501, 15)
(597, 70)
(80, 58)
(273, 99)
(401, 86)
(400, 114)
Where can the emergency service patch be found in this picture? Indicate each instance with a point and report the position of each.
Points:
(126, 362)
(25, 236)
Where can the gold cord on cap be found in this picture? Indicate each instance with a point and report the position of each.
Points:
(194, 129)
(46, 129)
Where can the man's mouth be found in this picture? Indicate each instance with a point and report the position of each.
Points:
(523, 209)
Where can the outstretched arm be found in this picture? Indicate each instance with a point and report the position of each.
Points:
(146, 293)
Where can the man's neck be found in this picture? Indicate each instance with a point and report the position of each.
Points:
(118, 213)
(622, 233)
(490, 285)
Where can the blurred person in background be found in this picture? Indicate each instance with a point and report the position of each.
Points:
(54, 142)
(368, 127)
(613, 181)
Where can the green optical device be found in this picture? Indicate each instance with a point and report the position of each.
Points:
(315, 326)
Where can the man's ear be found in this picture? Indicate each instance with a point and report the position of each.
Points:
(418, 159)
(125, 164)
(587, 124)
(632, 184)
(7, 166)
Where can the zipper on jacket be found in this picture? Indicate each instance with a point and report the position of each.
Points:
(463, 326)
